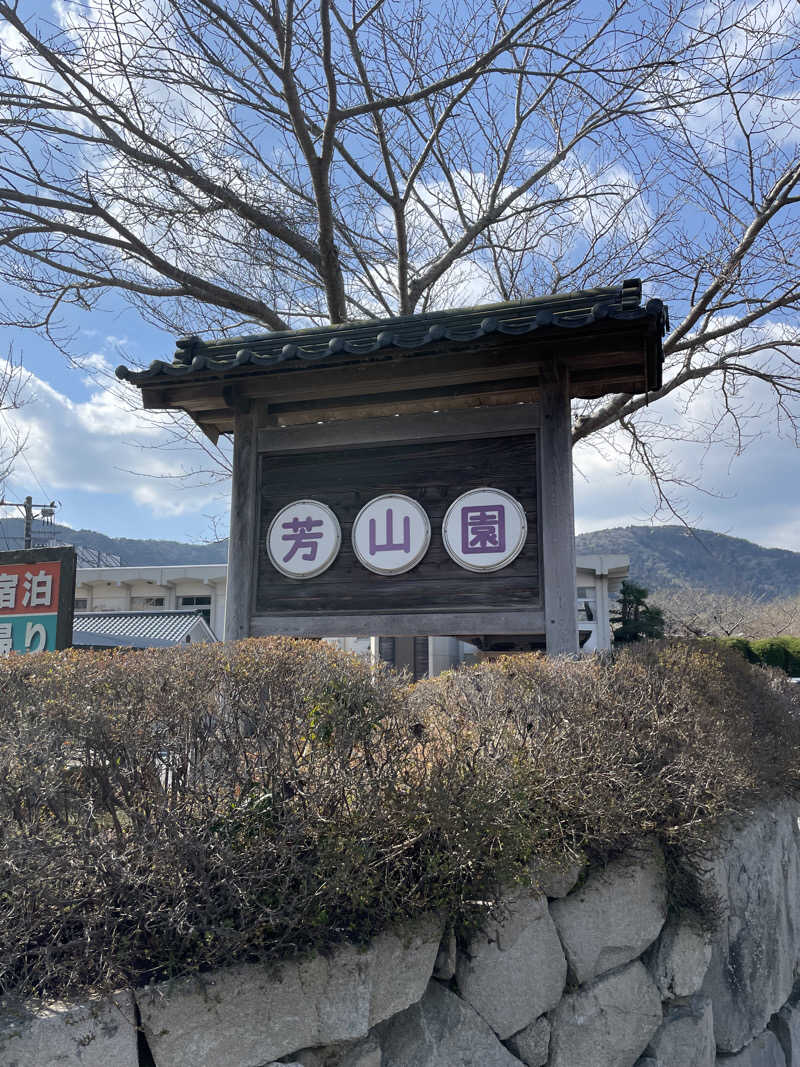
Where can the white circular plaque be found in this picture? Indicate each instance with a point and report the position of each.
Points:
(484, 529)
(303, 539)
(391, 534)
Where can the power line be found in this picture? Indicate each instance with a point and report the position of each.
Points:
(27, 463)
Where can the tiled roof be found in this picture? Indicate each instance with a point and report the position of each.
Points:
(410, 332)
(138, 629)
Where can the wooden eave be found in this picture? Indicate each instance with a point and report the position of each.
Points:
(612, 355)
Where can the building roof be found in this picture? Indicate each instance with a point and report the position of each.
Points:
(139, 629)
(462, 326)
(499, 354)
(614, 566)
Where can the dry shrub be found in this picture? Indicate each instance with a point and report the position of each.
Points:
(175, 810)
(665, 737)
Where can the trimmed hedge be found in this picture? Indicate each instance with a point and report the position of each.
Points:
(780, 652)
(177, 810)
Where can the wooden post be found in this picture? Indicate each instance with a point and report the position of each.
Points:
(242, 543)
(602, 626)
(557, 513)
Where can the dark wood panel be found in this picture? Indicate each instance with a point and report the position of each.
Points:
(484, 421)
(421, 663)
(433, 473)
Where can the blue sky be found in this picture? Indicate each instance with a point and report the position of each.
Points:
(91, 450)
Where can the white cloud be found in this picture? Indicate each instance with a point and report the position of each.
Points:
(602, 198)
(104, 445)
(737, 85)
(744, 492)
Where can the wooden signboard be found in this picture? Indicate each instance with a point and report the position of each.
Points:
(441, 467)
(37, 598)
(411, 475)
(434, 475)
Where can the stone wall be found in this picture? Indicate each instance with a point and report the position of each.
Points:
(587, 972)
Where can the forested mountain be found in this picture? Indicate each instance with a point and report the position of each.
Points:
(132, 552)
(671, 557)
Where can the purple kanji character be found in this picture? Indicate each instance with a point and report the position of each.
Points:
(389, 545)
(483, 529)
(302, 533)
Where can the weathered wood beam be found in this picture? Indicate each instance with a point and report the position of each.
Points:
(243, 535)
(361, 380)
(623, 372)
(445, 426)
(405, 407)
(444, 624)
(221, 419)
(357, 399)
(557, 513)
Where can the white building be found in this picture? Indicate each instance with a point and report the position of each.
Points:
(150, 588)
(101, 589)
(599, 580)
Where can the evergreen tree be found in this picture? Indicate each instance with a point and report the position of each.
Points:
(636, 618)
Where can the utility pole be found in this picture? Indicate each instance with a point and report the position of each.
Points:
(28, 520)
(46, 511)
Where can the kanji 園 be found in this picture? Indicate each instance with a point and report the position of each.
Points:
(483, 529)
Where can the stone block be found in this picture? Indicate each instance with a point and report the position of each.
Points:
(532, 1045)
(403, 961)
(556, 880)
(764, 1051)
(514, 970)
(609, 1023)
(755, 954)
(786, 1027)
(247, 1015)
(613, 917)
(679, 961)
(686, 1036)
(366, 1053)
(97, 1033)
(309, 1057)
(442, 1030)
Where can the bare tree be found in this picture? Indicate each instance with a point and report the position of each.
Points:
(701, 613)
(268, 163)
(13, 381)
